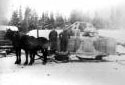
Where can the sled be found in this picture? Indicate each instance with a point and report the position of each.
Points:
(92, 48)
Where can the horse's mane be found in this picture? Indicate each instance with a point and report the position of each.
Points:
(43, 39)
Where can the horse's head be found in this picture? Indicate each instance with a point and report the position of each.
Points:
(11, 34)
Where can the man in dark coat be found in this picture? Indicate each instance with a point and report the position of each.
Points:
(63, 36)
(53, 40)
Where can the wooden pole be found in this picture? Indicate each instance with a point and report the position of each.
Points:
(37, 26)
(37, 32)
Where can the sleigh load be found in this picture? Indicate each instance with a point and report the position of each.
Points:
(89, 46)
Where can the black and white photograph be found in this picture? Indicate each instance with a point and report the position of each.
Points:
(62, 42)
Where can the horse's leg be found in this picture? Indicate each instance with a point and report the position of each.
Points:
(19, 55)
(17, 60)
(31, 58)
(45, 53)
(26, 62)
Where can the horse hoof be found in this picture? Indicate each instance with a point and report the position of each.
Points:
(30, 63)
(25, 63)
(44, 63)
(16, 62)
(19, 62)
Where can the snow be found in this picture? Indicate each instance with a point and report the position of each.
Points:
(72, 73)
(118, 34)
(110, 72)
(4, 28)
(42, 33)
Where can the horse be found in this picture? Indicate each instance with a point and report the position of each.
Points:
(29, 44)
(16, 44)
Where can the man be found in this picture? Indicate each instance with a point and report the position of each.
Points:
(64, 36)
(53, 40)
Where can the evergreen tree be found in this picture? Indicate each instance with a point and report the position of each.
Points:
(51, 21)
(33, 21)
(98, 22)
(41, 21)
(20, 19)
(75, 16)
(79, 16)
(15, 19)
(20, 14)
(27, 17)
(59, 21)
(44, 21)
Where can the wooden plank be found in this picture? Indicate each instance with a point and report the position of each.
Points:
(6, 47)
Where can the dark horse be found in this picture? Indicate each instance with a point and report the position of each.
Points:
(29, 44)
(11, 35)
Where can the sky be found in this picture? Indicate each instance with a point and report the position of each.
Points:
(56, 6)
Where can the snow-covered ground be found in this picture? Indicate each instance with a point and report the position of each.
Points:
(111, 72)
(72, 73)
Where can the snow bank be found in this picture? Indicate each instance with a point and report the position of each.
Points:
(4, 28)
(118, 34)
(42, 33)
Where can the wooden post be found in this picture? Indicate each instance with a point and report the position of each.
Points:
(37, 32)
(37, 26)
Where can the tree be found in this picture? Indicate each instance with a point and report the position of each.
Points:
(27, 17)
(116, 17)
(30, 21)
(15, 19)
(98, 22)
(75, 16)
(59, 21)
(25, 22)
(41, 21)
(20, 14)
(33, 21)
(51, 21)
(44, 21)
(20, 19)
